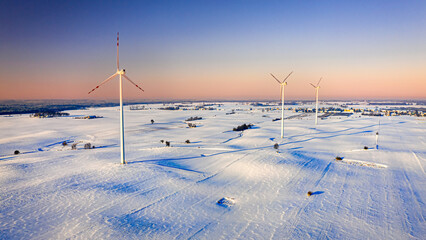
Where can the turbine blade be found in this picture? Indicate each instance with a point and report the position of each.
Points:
(275, 78)
(118, 65)
(313, 85)
(288, 76)
(132, 82)
(319, 81)
(111, 77)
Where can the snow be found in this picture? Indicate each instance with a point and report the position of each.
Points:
(52, 192)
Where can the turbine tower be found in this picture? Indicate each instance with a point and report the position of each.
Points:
(282, 86)
(121, 73)
(316, 102)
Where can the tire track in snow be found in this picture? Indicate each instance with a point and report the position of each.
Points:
(294, 216)
(89, 216)
(408, 202)
(418, 161)
(159, 200)
(206, 226)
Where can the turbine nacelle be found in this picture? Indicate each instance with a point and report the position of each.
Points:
(283, 82)
(119, 72)
(318, 84)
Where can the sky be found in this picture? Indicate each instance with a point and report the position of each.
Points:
(213, 50)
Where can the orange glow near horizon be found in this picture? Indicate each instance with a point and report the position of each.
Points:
(234, 87)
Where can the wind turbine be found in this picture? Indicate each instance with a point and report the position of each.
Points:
(316, 96)
(282, 85)
(121, 73)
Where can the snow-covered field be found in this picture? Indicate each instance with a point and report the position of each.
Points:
(52, 192)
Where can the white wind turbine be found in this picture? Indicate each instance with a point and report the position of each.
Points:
(282, 86)
(316, 103)
(121, 73)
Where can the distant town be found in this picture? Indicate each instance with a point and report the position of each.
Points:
(55, 108)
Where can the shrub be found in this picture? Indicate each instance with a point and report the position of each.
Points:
(152, 121)
(193, 118)
(365, 148)
(243, 127)
(74, 146)
(187, 141)
(309, 193)
(276, 146)
(167, 144)
(192, 125)
(87, 146)
(64, 143)
(339, 158)
(17, 152)
(161, 141)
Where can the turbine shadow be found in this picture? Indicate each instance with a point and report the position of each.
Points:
(108, 146)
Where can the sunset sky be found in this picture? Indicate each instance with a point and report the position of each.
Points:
(212, 50)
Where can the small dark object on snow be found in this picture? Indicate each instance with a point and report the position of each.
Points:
(167, 144)
(243, 127)
(161, 141)
(152, 121)
(74, 146)
(187, 141)
(193, 118)
(192, 125)
(365, 148)
(309, 193)
(276, 146)
(226, 202)
(339, 158)
(64, 143)
(87, 146)
(17, 152)
(93, 146)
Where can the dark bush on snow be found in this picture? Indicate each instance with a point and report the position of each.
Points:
(187, 141)
(74, 146)
(167, 144)
(64, 143)
(243, 127)
(276, 146)
(17, 152)
(339, 158)
(309, 193)
(193, 118)
(161, 141)
(192, 125)
(365, 148)
(87, 146)
(152, 121)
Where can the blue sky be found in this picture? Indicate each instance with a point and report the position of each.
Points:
(193, 46)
